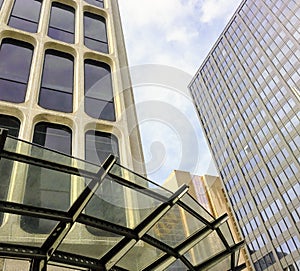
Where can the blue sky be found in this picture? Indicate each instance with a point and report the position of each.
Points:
(166, 41)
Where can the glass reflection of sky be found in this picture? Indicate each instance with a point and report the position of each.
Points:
(25, 15)
(15, 60)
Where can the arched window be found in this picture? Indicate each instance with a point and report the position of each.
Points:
(62, 22)
(13, 126)
(47, 188)
(97, 3)
(15, 62)
(108, 203)
(99, 100)
(25, 15)
(56, 91)
(95, 36)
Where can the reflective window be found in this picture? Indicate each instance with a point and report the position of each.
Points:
(13, 126)
(15, 61)
(97, 3)
(62, 23)
(57, 82)
(98, 145)
(99, 101)
(44, 185)
(95, 36)
(25, 15)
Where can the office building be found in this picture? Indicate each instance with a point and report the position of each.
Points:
(246, 93)
(65, 92)
(209, 192)
(64, 85)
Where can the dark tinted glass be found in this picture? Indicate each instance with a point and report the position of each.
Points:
(62, 23)
(98, 146)
(25, 15)
(95, 36)
(13, 126)
(15, 61)
(44, 189)
(57, 82)
(99, 101)
(97, 3)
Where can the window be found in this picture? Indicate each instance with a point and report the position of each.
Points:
(62, 23)
(95, 36)
(57, 82)
(99, 145)
(97, 3)
(13, 126)
(25, 15)
(108, 203)
(1, 2)
(15, 61)
(99, 101)
(47, 188)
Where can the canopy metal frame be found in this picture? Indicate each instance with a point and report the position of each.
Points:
(49, 251)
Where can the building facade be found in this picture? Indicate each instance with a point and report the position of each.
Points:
(209, 192)
(64, 85)
(247, 96)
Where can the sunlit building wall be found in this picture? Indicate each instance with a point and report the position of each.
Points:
(247, 95)
(64, 84)
(209, 192)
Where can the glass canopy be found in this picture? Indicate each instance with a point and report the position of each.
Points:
(60, 210)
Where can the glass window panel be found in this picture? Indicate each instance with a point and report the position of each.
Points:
(15, 61)
(175, 226)
(205, 249)
(48, 188)
(108, 203)
(139, 257)
(98, 91)
(99, 145)
(97, 3)
(13, 126)
(56, 100)
(62, 23)
(95, 36)
(91, 246)
(25, 15)
(57, 82)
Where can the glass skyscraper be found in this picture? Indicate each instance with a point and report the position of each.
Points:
(247, 96)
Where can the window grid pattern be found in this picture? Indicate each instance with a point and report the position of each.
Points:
(250, 118)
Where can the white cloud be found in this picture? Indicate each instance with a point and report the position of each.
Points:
(217, 9)
(179, 34)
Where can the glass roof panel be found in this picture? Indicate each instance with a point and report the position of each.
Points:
(205, 249)
(193, 204)
(43, 187)
(178, 265)
(134, 178)
(93, 242)
(224, 264)
(139, 257)
(121, 205)
(175, 226)
(25, 148)
(227, 233)
(25, 230)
